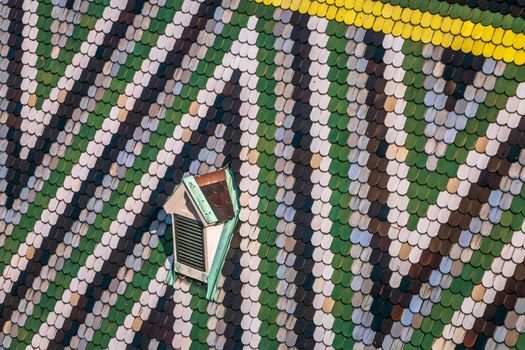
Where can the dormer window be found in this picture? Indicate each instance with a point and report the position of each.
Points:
(204, 212)
(189, 242)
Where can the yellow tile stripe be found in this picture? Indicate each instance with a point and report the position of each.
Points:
(416, 25)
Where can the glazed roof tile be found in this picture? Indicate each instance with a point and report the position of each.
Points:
(377, 146)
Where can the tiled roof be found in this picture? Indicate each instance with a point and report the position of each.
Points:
(377, 147)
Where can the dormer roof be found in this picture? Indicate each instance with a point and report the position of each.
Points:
(206, 195)
(214, 187)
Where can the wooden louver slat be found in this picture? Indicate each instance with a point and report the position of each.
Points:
(189, 237)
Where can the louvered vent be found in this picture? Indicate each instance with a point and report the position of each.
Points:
(189, 242)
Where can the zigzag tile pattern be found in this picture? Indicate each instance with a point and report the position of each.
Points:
(381, 179)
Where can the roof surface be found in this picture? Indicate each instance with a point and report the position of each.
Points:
(377, 148)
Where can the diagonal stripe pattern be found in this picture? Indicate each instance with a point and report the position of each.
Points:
(378, 146)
